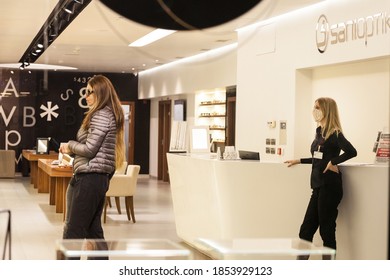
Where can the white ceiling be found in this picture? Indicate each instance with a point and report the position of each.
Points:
(97, 40)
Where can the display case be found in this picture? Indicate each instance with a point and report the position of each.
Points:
(122, 249)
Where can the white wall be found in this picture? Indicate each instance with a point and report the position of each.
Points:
(283, 82)
(180, 81)
(279, 72)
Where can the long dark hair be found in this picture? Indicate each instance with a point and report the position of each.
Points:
(106, 95)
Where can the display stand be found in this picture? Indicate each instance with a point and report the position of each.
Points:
(178, 137)
(383, 149)
(124, 249)
(264, 249)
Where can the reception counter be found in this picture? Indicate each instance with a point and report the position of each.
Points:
(219, 199)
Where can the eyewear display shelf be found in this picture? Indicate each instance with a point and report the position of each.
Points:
(215, 119)
(124, 249)
(211, 112)
(263, 249)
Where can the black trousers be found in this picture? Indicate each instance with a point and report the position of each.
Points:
(322, 210)
(85, 200)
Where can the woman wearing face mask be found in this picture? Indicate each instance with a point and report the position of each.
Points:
(325, 180)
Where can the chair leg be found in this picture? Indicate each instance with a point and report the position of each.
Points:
(105, 209)
(130, 208)
(118, 204)
(109, 201)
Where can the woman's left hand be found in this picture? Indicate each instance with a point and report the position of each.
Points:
(331, 167)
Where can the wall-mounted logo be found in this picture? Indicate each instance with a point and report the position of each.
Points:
(362, 29)
(322, 33)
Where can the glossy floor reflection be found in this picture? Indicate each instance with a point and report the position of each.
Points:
(36, 226)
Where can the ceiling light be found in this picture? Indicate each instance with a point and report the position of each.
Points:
(24, 64)
(70, 9)
(151, 37)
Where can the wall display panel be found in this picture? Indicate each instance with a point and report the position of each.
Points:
(49, 104)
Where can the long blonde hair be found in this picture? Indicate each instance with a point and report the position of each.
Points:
(331, 116)
(106, 96)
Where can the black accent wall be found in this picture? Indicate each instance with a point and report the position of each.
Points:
(52, 104)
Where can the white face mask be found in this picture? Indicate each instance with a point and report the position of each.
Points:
(317, 114)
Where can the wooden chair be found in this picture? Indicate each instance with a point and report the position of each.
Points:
(123, 185)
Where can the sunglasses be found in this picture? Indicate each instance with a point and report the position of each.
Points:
(89, 92)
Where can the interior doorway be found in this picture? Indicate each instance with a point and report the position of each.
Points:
(230, 121)
(129, 112)
(164, 135)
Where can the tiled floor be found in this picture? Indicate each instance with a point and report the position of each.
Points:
(36, 226)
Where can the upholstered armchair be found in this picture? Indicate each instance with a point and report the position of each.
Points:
(123, 185)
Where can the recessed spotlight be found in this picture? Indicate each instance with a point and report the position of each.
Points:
(69, 9)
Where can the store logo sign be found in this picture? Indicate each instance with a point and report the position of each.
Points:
(350, 30)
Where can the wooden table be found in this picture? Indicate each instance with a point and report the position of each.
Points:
(33, 158)
(56, 179)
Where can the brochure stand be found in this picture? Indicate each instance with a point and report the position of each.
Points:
(178, 137)
(383, 150)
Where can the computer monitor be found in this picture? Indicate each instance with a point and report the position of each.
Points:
(42, 145)
(53, 144)
(199, 139)
(248, 155)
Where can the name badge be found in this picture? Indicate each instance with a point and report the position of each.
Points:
(318, 155)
